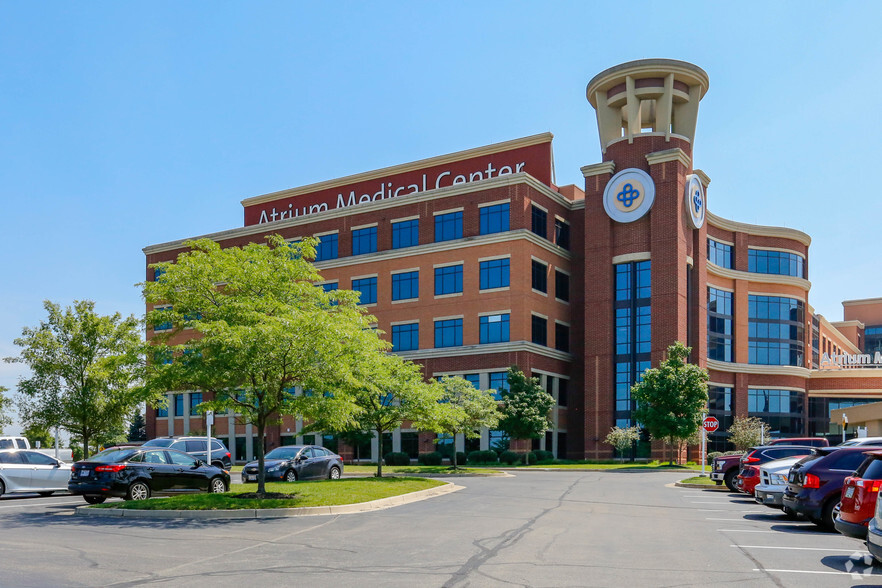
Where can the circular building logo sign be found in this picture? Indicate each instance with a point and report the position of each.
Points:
(695, 201)
(628, 195)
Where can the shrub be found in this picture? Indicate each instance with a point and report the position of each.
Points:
(511, 457)
(430, 459)
(460, 458)
(488, 456)
(396, 459)
(541, 456)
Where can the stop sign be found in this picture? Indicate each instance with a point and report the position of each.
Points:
(711, 424)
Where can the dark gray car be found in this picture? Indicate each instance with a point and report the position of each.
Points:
(197, 447)
(297, 462)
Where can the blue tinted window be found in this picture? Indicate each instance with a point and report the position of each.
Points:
(719, 324)
(368, 289)
(406, 337)
(781, 263)
(719, 253)
(329, 287)
(405, 285)
(162, 411)
(494, 328)
(495, 274)
(448, 226)
(327, 247)
(494, 219)
(539, 221)
(448, 279)
(539, 276)
(499, 382)
(179, 405)
(448, 333)
(157, 273)
(776, 330)
(195, 400)
(364, 241)
(405, 234)
(475, 379)
(163, 325)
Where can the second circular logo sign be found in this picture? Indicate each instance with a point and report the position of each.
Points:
(628, 195)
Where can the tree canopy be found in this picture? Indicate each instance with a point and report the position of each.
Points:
(748, 432)
(259, 329)
(525, 407)
(5, 408)
(672, 397)
(464, 410)
(84, 368)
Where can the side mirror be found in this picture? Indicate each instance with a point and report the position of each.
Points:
(199, 463)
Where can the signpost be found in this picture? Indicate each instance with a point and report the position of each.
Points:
(209, 420)
(708, 425)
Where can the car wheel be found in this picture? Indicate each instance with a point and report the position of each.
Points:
(827, 513)
(93, 499)
(334, 474)
(729, 480)
(2, 488)
(45, 493)
(218, 486)
(138, 491)
(290, 476)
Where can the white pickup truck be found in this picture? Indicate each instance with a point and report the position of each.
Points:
(773, 482)
(15, 442)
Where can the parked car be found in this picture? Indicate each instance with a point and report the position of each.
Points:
(857, 505)
(874, 534)
(137, 473)
(773, 482)
(747, 479)
(809, 441)
(859, 441)
(13, 442)
(24, 470)
(196, 446)
(814, 484)
(725, 469)
(297, 462)
(756, 456)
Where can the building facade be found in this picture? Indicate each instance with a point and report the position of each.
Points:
(476, 261)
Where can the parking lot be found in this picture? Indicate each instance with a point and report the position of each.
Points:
(554, 529)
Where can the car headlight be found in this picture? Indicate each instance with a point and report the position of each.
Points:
(780, 478)
(274, 468)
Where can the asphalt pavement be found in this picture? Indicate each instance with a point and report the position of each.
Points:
(537, 529)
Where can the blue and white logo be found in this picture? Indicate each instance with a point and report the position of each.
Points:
(696, 202)
(628, 195)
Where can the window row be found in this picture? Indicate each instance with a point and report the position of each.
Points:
(177, 406)
(492, 328)
(759, 261)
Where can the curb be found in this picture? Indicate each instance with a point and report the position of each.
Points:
(713, 487)
(271, 513)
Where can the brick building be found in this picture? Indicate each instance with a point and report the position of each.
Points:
(476, 261)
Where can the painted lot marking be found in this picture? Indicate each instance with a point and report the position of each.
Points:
(801, 533)
(38, 504)
(852, 551)
(853, 574)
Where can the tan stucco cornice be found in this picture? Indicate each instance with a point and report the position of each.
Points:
(842, 339)
(596, 169)
(862, 301)
(758, 278)
(333, 213)
(402, 168)
(702, 177)
(848, 373)
(760, 230)
(511, 347)
(747, 368)
(854, 323)
(675, 154)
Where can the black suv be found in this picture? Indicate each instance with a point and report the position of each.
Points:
(196, 446)
(814, 484)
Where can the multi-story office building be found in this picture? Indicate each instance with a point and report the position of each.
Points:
(476, 261)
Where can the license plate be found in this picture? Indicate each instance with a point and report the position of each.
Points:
(251, 478)
(85, 473)
(849, 492)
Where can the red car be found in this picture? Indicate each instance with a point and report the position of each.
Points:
(858, 501)
(748, 479)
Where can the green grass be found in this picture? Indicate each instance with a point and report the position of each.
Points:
(319, 493)
(703, 480)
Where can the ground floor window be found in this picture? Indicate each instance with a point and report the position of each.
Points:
(410, 444)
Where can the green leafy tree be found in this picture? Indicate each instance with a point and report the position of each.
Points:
(672, 397)
(260, 329)
(389, 391)
(137, 428)
(5, 408)
(525, 407)
(748, 432)
(36, 432)
(622, 438)
(85, 369)
(464, 410)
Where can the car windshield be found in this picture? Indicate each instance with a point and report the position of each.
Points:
(283, 453)
(112, 455)
(158, 443)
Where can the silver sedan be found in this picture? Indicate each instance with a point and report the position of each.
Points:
(24, 470)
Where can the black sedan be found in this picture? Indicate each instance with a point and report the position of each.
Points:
(297, 462)
(136, 473)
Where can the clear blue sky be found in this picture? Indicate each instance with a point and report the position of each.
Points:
(127, 124)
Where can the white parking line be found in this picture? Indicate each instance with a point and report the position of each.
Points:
(852, 551)
(705, 502)
(814, 572)
(801, 533)
(736, 520)
(23, 505)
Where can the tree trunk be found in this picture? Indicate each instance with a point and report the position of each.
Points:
(380, 453)
(453, 459)
(85, 445)
(261, 474)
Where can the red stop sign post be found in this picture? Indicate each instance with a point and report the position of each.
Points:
(711, 424)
